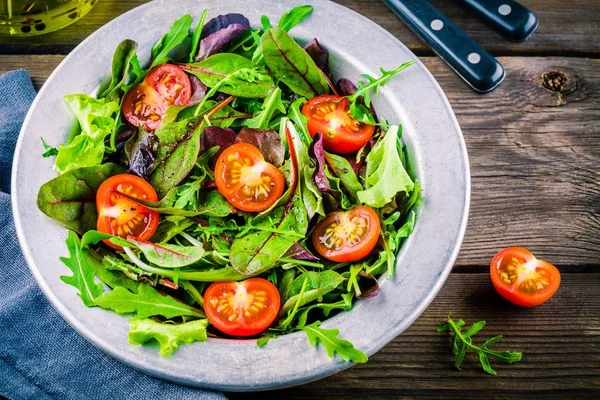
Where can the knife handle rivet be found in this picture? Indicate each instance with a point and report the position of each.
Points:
(474, 58)
(504, 9)
(437, 24)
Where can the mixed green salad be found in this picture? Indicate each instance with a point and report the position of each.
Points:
(229, 188)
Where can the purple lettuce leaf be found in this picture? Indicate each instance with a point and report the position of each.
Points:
(319, 55)
(199, 90)
(216, 136)
(267, 141)
(345, 87)
(218, 32)
(369, 287)
(298, 252)
(317, 153)
(140, 153)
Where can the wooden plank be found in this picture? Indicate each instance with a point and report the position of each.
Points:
(560, 341)
(534, 158)
(566, 28)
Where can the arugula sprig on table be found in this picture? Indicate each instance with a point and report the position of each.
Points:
(463, 342)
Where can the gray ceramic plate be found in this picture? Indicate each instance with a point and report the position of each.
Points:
(357, 46)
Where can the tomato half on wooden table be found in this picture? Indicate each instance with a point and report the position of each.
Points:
(242, 308)
(345, 236)
(246, 180)
(522, 279)
(330, 115)
(121, 216)
(147, 102)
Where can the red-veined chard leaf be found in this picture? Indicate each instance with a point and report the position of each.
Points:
(267, 141)
(71, 197)
(291, 64)
(168, 255)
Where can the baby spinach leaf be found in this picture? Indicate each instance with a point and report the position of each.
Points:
(293, 17)
(385, 175)
(291, 64)
(97, 119)
(168, 336)
(83, 273)
(145, 303)
(343, 170)
(168, 255)
(318, 284)
(333, 343)
(176, 35)
(196, 36)
(179, 145)
(210, 203)
(219, 70)
(71, 198)
(121, 66)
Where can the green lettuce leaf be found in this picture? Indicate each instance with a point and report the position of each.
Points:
(168, 336)
(97, 119)
(385, 175)
(145, 303)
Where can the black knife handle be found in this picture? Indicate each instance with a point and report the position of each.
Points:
(475, 65)
(509, 18)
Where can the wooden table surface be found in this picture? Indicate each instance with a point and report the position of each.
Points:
(535, 166)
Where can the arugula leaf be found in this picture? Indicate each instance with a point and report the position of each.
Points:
(271, 105)
(317, 284)
(49, 151)
(169, 255)
(385, 175)
(169, 336)
(232, 74)
(176, 35)
(332, 343)
(83, 274)
(97, 119)
(121, 65)
(463, 342)
(110, 276)
(145, 303)
(359, 111)
(345, 304)
(291, 64)
(196, 36)
(71, 198)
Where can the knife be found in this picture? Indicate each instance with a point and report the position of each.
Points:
(507, 17)
(470, 61)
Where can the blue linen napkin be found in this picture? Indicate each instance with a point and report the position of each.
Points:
(41, 357)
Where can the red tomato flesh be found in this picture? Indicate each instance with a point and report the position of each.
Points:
(121, 216)
(522, 279)
(330, 115)
(242, 308)
(147, 102)
(345, 236)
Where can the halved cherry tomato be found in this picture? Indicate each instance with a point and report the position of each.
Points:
(147, 102)
(344, 236)
(522, 279)
(246, 180)
(242, 308)
(121, 216)
(330, 115)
